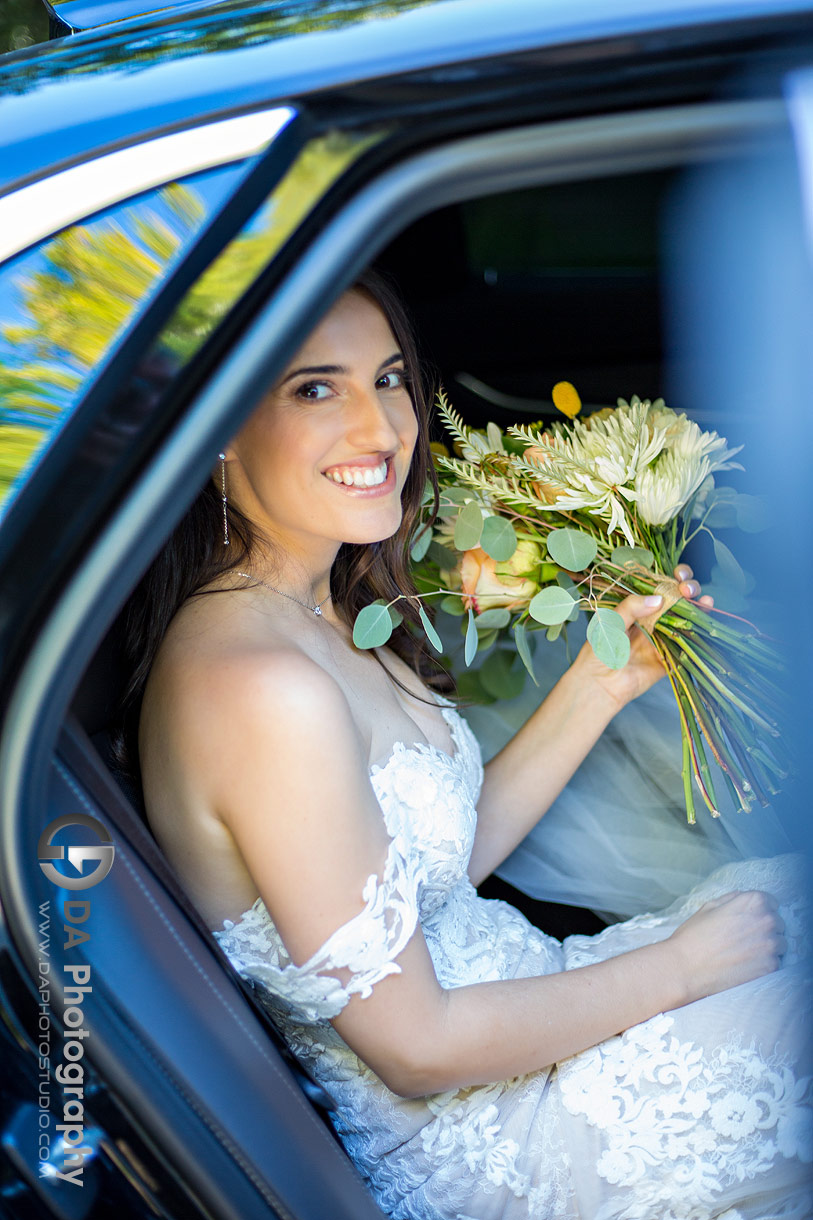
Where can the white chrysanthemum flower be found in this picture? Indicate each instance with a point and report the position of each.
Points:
(594, 463)
(686, 463)
(665, 487)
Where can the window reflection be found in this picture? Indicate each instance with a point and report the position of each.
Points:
(63, 304)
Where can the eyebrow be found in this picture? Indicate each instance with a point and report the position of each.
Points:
(327, 370)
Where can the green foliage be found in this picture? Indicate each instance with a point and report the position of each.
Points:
(373, 626)
(608, 637)
(499, 538)
(470, 648)
(431, 634)
(524, 649)
(572, 549)
(420, 543)
(551, 605)
(494, 618)
(502, 674)
(634, 556)
(469, 527)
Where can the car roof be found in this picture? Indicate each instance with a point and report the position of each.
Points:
(62, 101)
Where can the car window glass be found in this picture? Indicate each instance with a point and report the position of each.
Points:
(216, 291)
(64, 302)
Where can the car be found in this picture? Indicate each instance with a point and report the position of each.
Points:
(617, 196)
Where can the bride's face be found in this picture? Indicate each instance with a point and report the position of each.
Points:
(325, 455)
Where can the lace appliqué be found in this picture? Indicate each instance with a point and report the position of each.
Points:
(680, 1124)
(367, 945)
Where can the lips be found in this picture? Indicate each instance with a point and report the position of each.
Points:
(366, 475)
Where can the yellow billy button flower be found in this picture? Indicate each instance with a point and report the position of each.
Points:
(566, 399)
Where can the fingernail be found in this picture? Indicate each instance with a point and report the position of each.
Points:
(694, 586)
(654, 599)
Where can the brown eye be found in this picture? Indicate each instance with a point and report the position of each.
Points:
(394, 380)
(313, 391)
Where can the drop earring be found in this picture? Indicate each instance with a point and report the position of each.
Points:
(224, 498)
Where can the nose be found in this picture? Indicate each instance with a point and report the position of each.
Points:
(373, 422)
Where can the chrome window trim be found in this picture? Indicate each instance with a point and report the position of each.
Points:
(462, 169)
(44, 207)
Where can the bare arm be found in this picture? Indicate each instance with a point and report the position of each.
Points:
(297, 799)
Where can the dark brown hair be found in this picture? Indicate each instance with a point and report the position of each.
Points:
(195, 555)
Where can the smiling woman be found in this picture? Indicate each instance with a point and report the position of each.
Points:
(330, 818)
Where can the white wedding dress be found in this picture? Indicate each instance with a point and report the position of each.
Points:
(697, 1113)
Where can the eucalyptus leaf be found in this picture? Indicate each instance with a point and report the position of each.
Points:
(396, 617)
(524, 649)
(565, 581)
(608, 637)
(731, 573)
(639, 556)
(502, 675)
(485, 639)
(554, 632)
(499, 538)
(452, 604)
(551, 605)
(428, 493)
(468, 527)
(457, 495)
(573, 549)
(420, 543)
(497, 617)
(431, 634)
(752, 513)
(470, 649)
(470, 688)
(445, 558)
(373, 626)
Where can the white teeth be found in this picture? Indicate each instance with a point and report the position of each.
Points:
(367, 476)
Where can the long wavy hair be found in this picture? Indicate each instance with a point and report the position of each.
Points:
(195, 555)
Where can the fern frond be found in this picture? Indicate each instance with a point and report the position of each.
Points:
(451, 418)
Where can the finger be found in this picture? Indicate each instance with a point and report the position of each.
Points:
(636, 606)
(690, 588)
(706, 601)
(683, 572)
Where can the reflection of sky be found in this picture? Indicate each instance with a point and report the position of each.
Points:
(209, 188)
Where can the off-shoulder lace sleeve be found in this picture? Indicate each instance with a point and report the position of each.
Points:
(367, 945)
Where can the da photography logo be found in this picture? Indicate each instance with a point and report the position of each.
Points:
(100, 853)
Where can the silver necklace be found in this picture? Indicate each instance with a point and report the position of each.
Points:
(317, 610)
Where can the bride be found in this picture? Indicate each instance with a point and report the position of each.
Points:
(318, 803)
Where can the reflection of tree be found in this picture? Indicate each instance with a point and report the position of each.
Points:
(228, 27)
(93, 279)
(97, 275)
(22, 23)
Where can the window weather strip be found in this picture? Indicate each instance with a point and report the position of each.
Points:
(49, 204)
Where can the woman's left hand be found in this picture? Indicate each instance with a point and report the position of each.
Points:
(644, 666)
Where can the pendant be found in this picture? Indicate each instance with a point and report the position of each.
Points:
(317, 610)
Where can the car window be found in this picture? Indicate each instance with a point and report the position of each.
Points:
(64, 301)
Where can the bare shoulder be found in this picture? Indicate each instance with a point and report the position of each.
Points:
(237, 730)
(225, 686)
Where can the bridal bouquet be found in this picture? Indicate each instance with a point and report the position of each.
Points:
(540, 524)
